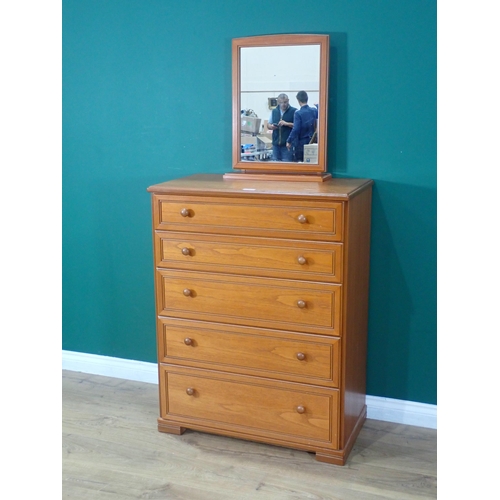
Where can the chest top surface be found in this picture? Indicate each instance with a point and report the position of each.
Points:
(214, 184)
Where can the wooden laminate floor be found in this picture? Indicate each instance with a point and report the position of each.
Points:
(113, 450)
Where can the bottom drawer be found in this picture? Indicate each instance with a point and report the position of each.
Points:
(249, 405)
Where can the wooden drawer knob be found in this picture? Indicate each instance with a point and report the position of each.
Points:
(185, 212)
(301, 304)
(188, 341)
(301, 260)
(300, 409)
(187, 292)
(186, 251)
(302, 219)
(189, 391)
(301, 356)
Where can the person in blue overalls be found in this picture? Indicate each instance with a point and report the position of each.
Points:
(281, 123)
(304, 126)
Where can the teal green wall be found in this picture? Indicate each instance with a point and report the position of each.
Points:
(147, 98)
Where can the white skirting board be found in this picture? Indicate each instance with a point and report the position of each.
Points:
(389, 410)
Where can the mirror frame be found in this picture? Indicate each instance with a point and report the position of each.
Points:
(276, 40)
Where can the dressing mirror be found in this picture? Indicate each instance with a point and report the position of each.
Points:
(280, 99)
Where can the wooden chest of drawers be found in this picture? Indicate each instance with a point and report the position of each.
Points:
(262, 305)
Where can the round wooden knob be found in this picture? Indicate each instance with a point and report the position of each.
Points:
(301, 356)
(302, 219)
(188, 341)
(301, 304)
(301, 260)
(185, 212)
(300, 409)
(186, 251)
(189, 391)
(187, 292)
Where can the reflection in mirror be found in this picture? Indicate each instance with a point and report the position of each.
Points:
(271, 78)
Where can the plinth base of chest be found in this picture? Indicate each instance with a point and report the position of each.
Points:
(335, 457)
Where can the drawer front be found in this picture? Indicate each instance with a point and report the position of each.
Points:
(273, 303)
(250, 405)
(274, 354)
(288, 219)
(254, 256)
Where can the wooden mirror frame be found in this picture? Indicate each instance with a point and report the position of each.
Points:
(281, 170)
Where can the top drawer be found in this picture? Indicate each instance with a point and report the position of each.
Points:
(268, 218)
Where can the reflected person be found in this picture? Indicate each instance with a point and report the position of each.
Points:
(281, 123)
(304, 126)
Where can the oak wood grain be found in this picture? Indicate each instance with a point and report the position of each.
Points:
(276, 176)
(284, 218)
(294, 259)
(340, 189)
(355, 314)
(250, 301)
(293, 413)
(282, 355)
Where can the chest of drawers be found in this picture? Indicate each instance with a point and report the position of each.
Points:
(262, 303)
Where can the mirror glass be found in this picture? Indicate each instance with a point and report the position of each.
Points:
(268, 101)
(279, 90)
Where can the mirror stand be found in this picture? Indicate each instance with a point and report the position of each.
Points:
(277, 176)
